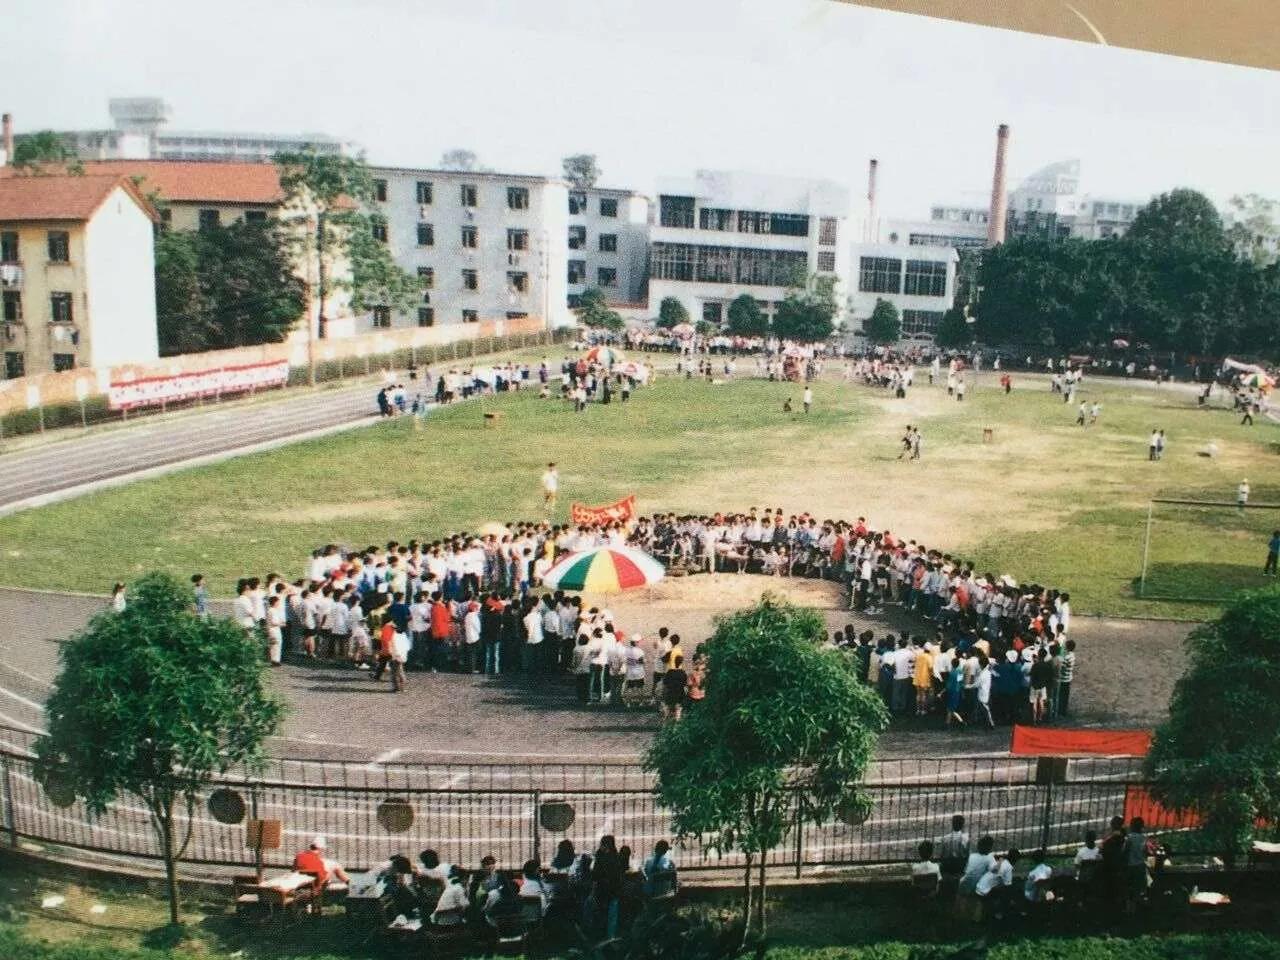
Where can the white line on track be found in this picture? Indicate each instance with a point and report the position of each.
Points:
(40, 681)
(37, 707)
(15, 722)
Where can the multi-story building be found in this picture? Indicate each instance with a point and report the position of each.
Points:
(488, 246)
(140, 133)
(919, 279)
(608, 244)
(77, 273)
(721, 234)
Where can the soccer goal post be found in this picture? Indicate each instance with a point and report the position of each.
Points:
(1205, 550)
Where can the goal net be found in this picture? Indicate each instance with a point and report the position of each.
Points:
(1205, 550)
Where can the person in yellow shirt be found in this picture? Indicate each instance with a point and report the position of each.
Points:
(922, 679)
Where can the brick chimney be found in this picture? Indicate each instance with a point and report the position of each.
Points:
(7, 121)
(873, 228)
(999, 198)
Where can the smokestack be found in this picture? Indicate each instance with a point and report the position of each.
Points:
(7, 121)
(873, 229)
(999, 200)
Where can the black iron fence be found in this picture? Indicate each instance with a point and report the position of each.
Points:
(367, 812)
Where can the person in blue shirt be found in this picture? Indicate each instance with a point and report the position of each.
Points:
(202, 593)
(1273, 554)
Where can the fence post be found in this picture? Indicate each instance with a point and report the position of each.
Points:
(1047, 818)
(799, 828)
(6, 787)
(253, 815)
(537, 827)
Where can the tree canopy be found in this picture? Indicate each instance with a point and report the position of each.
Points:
(581, 170)
(884, 326)
(671, 313)
(808, 313)
(594, 311)
(746, 319)
(954, 330)
(45, 150)
(460, 159)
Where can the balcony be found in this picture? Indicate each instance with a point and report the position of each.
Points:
(11, 275)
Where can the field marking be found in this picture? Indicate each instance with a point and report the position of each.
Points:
(1097, 34)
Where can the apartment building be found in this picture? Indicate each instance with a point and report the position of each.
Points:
(608, 244)
(916, 278)
(720, 234)
(488, 246)
(77, 285)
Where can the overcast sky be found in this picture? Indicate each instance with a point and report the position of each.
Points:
(658, 87)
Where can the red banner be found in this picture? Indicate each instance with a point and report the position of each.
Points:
(1139, 803)
(153, 391)
(621, 512)
(1051, 742)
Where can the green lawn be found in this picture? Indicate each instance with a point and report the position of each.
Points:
(1044, 501)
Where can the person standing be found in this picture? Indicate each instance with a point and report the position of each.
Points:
(1242, 495)
(550, 487)
(673, 688)
(1273, 554)
(807, 398)
(1066, 674)
(1160, 445)
(532, 649)
(1153, 445)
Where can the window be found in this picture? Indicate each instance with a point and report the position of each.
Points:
(14, 365)
(926, 278)
(517, 239)
(426, 235)
(880, 275)
(468, 194)
(382, 317)
(166, 220)
(944, 240)
(676, 212)
(470, 316)
(826, 261)
(920, 323)
(207, 220)
(255, 216)
(518, 198)
(470, 280)
(714, 218)
(60, 244)
(608, 243)
(380, 191)
(608, 207)
(516, 315)
(60, 308)
(712, 311)
(783, 224)
(606, 277)
(63, 362)
(577, 238)
(711, 264)
(426, 316)
(827, 231)
(577, 271)
(470, 237)
(12, 306)
(9, 247)
(427, 277)
(423, 191)
(577, 204)
(518, 281)
(378, 227)
(575, 301)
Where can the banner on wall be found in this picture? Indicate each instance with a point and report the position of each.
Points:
(621, 512)
(153, 391)
(1051, 742)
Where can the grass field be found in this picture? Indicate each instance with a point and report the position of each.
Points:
(1045, 501)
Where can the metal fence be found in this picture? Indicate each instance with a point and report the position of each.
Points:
(514, 812)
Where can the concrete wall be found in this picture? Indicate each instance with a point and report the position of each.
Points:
(119, 323)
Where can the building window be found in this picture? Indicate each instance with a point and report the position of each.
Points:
(470, 316)
(606, 277)
(423, 191)
(468, 194)
(518, 281)
(470, 279)
(517, 239)
(827, 231)
(63, 362)
(255, 216)
(516, 315)
(712, 264)
(577, 203)
(944, 240)
(715, 218)
(9, 247)
(577, 271)
(826, 261)
(608, 243)
(676, 212)
(577, 238)
(782, 224)
(60, 308)
(608, 207)
(518, 198)
(208, 220)
(378, 227)
(12, 306)
(380, 191)
(920, 323)
(712, 311)
(880, 275)
(15, 365)
(926, 278)
(426, 316)
(426, 235)
(575, 301)
(382, 317)
(427, 277)
(470, 237)
(60, 245)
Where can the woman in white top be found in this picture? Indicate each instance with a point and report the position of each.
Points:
(275, 630)
(117, 598)
(451, 908)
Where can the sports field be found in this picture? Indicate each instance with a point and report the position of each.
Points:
(1045, 500)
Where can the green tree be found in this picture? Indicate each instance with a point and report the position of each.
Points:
(1255, 228)
(594, 311)
(746, 319)
(154, 702)
(460, 159)
(43, 152)
(954, 330)
(1219, 751)
(808, 313)
(671, 313)
(783, 737)
(182, 310)
(1181, 218)
(884, 326)
(581, 170)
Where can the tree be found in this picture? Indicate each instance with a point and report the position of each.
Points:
(671, 313)
(460, 159)
(746, 319)
(155, 702)
(581, 170)
(954, 330)
(1219, 751)
(782, 738)
(181, 306)
(884, 326)
(808, 313)
(593, 311)
(1255, 228)
(45, 151)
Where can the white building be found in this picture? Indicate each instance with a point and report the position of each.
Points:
(608, 244)
(1049, 204)
(721, 234)
(918, 279)
(489, 246)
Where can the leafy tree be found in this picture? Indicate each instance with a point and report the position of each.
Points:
(884, 326)
(705, 328)
(783, 737)
(671, 313)
(746, 319)
(461, 160)
(1255, 230)
(1219, 751)
(155, 702)
(581, 170)
(954, 330)
(808, 313)
(594, 311)
(181, 306)
(1181, 218)
(45, 151)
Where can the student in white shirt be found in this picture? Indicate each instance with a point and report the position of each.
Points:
(531, 652)
(1036, 887)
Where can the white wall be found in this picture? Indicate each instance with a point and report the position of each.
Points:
(120, 283)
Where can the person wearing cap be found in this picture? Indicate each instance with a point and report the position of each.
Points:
(313, 861)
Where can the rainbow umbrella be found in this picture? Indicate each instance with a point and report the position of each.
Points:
(604, 570)
(1258, 380)
(603, 355)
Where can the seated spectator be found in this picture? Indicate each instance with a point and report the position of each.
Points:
(978, 865)
(1037, 887)
(926, 866)
(402, 901)
(531, 886)
(502, 903)
(994, 886)
(659, 872)
(313, 861)
(485, 880)
(1089, 857)
(432, 868)
(451, 908)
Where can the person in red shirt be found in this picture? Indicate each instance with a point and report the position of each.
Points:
(312, 861)
(441, 625)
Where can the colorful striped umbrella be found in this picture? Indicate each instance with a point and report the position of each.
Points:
(603, 355)
(604, 570)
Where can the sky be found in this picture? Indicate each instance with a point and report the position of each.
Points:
(659, 88)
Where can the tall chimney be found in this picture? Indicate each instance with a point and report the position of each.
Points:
(873, 228)
(7, 121)
(999, 200)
